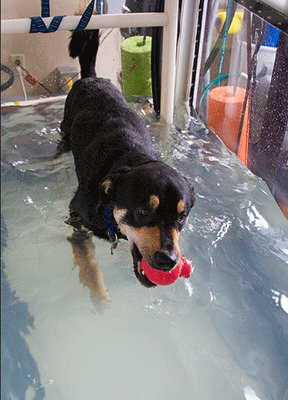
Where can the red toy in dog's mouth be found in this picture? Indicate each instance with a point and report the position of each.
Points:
(183, 268)
(151, 277)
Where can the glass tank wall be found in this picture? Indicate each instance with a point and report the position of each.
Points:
(243, 87)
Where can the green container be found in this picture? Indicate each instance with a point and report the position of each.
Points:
(136, 66)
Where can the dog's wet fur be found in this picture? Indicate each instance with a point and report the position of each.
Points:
(148, 201)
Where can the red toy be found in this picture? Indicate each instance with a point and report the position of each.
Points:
(183, 268)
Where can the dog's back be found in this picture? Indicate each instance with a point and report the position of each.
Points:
(95, 109)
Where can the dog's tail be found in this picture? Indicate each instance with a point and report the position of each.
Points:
(84, 44)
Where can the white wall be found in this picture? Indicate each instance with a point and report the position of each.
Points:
(44, 52)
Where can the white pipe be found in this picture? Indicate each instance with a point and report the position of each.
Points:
(169, 60)
(34, 102)
(185, 57)
(96, 21)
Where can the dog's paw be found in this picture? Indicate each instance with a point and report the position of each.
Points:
(100, 300)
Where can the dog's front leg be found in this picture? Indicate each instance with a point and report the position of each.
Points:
(89, 272)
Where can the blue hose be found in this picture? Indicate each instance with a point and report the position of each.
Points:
(211, 84)
(224, 43)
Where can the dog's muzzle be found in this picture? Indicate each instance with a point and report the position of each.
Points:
(163, 261)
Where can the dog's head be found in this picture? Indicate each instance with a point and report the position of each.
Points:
(150, 206)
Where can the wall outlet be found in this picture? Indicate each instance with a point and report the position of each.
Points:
(15, 57)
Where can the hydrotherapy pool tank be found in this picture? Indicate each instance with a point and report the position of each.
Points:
(220, 334)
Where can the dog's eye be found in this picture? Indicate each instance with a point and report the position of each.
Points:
(182, 217)
(143, 212)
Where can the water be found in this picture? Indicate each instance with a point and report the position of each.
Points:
(221, 334)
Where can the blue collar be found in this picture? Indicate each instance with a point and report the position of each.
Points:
(113, 239)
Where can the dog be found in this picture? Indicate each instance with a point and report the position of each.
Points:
(124, 189)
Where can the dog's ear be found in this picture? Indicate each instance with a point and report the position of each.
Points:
(191, 192)
(110, 183)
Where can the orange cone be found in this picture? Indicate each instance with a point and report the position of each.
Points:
(224, 116)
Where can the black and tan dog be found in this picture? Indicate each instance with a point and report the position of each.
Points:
(124, 190)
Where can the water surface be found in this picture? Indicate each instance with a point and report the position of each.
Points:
(221, 334)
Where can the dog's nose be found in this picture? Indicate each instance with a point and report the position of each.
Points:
(164, 261)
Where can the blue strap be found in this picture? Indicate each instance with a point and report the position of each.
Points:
(110, 227)
(45, 8)
(98, 6)
(38, 25)
(85, 17)
(113, 239)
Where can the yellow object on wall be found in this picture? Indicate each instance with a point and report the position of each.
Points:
(236, 23)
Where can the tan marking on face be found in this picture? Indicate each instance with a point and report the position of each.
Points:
(119, 214)
(154, 201)
(147, 239)
(107, 184)
(180, 206)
